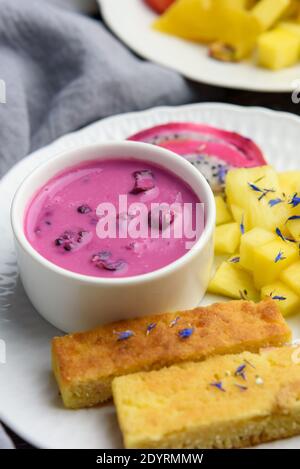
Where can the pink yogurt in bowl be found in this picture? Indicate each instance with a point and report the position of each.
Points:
(63, 221)
(113, 231)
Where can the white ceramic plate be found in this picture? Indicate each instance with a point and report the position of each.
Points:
(131, 21)
(29, 400)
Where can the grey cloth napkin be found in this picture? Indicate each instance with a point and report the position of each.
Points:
(63, 71)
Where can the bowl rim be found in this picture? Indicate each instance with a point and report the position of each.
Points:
(20, 237)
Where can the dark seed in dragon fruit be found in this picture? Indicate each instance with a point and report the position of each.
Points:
(144, 181)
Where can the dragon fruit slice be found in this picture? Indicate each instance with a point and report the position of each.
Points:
(212, 151)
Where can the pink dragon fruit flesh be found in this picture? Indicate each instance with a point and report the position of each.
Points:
(212, 151)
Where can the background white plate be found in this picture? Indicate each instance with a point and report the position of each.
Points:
(131, 21)
(29, 401)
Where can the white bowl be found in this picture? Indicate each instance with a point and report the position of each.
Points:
(72, 301)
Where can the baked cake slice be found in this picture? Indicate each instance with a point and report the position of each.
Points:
(229, 401)
(86, 363)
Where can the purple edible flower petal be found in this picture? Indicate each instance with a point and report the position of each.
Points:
(294, 217)
(124, 335)
(279, 233)
(295, 201)
(150, 327)
(235, 260)
(242, 226)
(222, 172)
(278, 297)
(186, 333)
(144, 181)
(263, 192)
(240, 371)
(279, 257)
(254, 187)
(274, 202)
(218, 385)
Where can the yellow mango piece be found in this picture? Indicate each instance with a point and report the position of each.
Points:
(246, 188)
(233, 282)
(278, 49)
(227, 238)
(291, 277)
(290, 181)
(267, 12)
(271, 259)
(294, 229)
(249, 242)
(290, 26)
(223, 214)
(209, 21)
(287, 300)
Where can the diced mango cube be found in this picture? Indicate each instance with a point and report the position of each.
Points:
(271, 259)
(287, 300)
(223, 214)
(252, 190)
(227, 238)
(233, 282)
(250, 241)
(278, 49)
(267, 12)
(291, 277)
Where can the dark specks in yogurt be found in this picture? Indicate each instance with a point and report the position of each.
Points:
(84, 209)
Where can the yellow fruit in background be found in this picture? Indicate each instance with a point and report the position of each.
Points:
(211, 20)
(249, 243)
(253, 189)
(287, 300)
(223, 214)
(290, 180)
(227, 238)
(291, 277)
(278, 49)
(267, 12)
(233, 282)
(271, 259)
